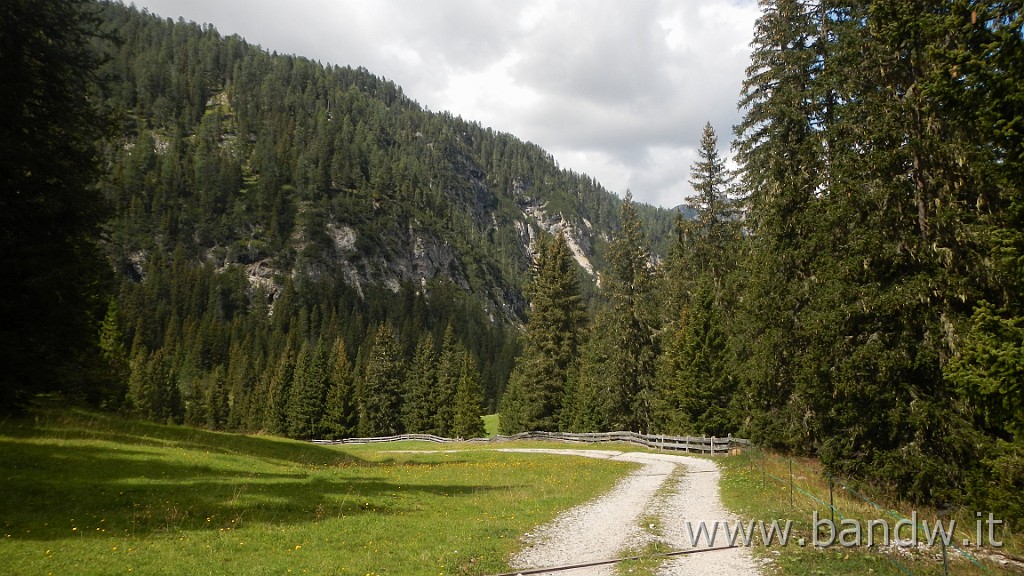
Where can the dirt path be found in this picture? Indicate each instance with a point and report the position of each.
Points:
(610, 525)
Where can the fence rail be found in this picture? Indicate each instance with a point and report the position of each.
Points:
(688, 444)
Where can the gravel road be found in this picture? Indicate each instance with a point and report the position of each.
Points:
(610, 525)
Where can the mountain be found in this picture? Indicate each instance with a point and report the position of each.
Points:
(249, 183)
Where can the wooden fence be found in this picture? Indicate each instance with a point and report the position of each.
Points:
(688, 444)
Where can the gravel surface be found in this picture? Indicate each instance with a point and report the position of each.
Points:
(609, 526)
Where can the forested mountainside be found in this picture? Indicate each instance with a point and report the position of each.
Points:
(263, 200)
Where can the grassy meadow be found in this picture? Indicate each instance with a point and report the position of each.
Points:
(87, 493)
(756, 485)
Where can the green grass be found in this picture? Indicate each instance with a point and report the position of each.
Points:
(86, 493)
(491, 424)
(749, 489)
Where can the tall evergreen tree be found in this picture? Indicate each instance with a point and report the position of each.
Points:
(153, 391)
(589, 399)
(381, 387)
(340, 411)
(447, 377)
(537, 386)
(278, 391)
(866, 184)
(305, 408)
(469, 399)
(216, 398)
(695, 384)
(50, 207)
(710, 239)
(419, 407)
(631, 370)
(780, 152)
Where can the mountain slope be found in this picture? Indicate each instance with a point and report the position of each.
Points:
(248, 183)
(251, 158)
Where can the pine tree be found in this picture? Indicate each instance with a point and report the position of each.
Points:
(712, 236)
(781, 156)
(305, 408)
(112, 350)
(589, 401)
(695, 385)
(987, 363)
(153, 390)
(340, 412)
(50, 206)
(216, 399)
(537, 386)
(863, 180)
(381, 390)
(419, 408)
(278, 391)
(469, 399)
(447, 378)
(631, 371)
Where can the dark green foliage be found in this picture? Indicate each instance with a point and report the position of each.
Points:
(420, 403)
(446, 383)
(50, 210)
(873, 182)
(340, 411)
(309, 392)
(278, 392)
(696, 387)
(469, 399)
(380, 391)
(153, 391)
(588, 402)
(634, 323)
(537, 387)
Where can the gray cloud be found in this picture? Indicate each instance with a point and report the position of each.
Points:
(618, 90)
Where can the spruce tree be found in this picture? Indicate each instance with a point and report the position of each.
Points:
(469, 399)
(588, 402)
(380, 398)
(305, 408)
(537, 386)
(447, 377)
(153, 392)
(711, 238)
(115, 357)
(695, 385)
(278, 391)
(630, 375)
(419, 407)
(988, 360)
(50, 207)
(780, 152)
(340, 410)
(216, 399)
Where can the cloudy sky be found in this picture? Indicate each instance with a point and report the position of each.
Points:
(616, 89)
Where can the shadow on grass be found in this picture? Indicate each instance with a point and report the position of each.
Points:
(94, 476)
(83, 425)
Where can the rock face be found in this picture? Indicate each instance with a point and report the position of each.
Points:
(492, 262)
(419, 256)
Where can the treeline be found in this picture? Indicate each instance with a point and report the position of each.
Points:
(853, 291)
(206, 351)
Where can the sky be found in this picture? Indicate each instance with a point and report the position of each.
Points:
(616, 89)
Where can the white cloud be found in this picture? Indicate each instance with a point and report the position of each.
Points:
(618, 90)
